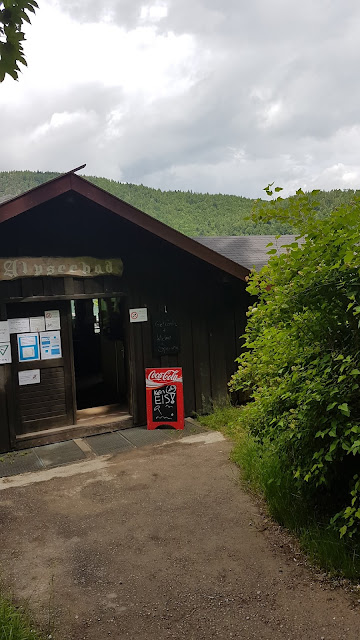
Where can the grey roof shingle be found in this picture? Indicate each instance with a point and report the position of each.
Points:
(249, 251)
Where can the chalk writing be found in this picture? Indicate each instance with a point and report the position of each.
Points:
(166, 337)
(164, 404)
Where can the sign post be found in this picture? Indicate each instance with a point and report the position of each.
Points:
(164, 397)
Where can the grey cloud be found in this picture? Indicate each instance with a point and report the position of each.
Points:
(276, 98)
(125, 13)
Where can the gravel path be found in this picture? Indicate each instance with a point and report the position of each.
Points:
(160, 543)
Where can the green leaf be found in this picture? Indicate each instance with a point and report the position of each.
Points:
(331, 406)
(344, 409)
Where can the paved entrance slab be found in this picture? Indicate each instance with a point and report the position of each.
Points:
(62, 453)
(106, 443)
(159, 543)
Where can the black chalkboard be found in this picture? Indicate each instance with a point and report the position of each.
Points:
(164, 405)
(166, 335)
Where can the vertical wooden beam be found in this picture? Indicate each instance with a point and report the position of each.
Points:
(201, 361)
(218, 371)
(5, 386)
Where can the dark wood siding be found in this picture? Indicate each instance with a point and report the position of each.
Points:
(43, 401)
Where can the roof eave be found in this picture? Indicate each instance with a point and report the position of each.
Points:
(72, 182)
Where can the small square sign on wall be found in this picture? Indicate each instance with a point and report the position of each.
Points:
(138, 315)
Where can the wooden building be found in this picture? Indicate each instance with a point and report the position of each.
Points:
(74, 262)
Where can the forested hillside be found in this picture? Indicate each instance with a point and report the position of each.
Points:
(194, 214)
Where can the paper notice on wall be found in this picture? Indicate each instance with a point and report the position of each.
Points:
(4, 331)
(29, 377)
(5, 353)
(37, 324)
(52, 320)
(19, 325)
(50, 345)
(138, 315)
(28, 346)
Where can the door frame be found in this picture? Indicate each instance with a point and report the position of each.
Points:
(51, 301)
(127, 350)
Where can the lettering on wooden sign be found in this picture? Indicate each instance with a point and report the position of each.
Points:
(83, 267)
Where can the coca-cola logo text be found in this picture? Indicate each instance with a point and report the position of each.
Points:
(171, 375)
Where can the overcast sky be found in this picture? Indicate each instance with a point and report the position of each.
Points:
(209, 95)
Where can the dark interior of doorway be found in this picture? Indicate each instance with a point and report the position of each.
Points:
(99, 352)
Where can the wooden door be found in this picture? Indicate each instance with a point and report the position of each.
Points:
(51, 402)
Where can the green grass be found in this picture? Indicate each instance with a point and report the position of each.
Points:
(263, 472)
(15, 623)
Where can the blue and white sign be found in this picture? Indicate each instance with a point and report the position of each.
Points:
(28, 346)
(50, 344)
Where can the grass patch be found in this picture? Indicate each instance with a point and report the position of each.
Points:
(264, 473)
(15, 623)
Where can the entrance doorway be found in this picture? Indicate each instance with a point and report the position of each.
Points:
(99, 356)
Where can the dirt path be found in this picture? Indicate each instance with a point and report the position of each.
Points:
(159, 543)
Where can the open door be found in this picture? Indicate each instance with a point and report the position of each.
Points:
(99, 356)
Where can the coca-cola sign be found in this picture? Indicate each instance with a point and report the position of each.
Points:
(157, 377)
(164, 397)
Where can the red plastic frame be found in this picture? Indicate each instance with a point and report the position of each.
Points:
(156, 378)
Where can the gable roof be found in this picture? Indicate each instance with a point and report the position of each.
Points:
(72, 182)
(249, 251)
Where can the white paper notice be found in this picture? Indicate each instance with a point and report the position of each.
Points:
(52, 320)
(4, 331)
(37, 324)
(29, 377)
(50, 345)
(29, 353)
(19, 325)
(5, 353)
(138, 315)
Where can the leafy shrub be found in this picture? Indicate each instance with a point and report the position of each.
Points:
(301, 361)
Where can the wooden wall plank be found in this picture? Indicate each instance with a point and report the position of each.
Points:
(186, 360)
(5, 378)
(201, 361)
(219, 389)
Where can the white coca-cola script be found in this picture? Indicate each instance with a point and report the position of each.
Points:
(171, 375)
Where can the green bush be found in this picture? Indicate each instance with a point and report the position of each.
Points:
(301, 362)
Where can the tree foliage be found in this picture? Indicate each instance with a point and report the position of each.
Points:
(13, 14)
(301, 363)
(195, 214)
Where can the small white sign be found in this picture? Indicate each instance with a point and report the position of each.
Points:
(138, 315)
(4, 331)
(19, 325)
(29, 377)
(5, 353)
(50, 345)
(37, 324)
(52, 320)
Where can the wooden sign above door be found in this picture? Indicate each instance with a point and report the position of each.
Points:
(83, 267)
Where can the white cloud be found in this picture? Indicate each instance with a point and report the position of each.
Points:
(153, 12)
(212, 95)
